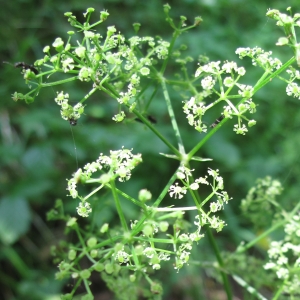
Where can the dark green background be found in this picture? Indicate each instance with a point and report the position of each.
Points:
(37, 149)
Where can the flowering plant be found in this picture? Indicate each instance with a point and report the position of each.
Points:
(124, 69)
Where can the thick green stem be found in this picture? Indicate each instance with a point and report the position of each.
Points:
(156, 132)
(172, 116)
(59, 82)
(118, 206)
(221, 264)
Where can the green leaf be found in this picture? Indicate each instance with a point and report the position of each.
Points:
(14, 219)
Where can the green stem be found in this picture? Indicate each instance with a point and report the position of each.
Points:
(118, 206)
(273, 228)
(157, 133)
(173, 119)
(221, 263)
(15, 259)
(59, 82)
(260, 84)
(139, 225)
(175, 36)
(91, 92)
(263, 235)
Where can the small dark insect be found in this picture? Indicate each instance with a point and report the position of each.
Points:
(151, 119)
(213, 125)
(73, 121)
(24, 66)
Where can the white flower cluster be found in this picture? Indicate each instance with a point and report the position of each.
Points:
(67, 111)
(155, 257)
(119, 117)
(195, 110)
(283, 19)
(84, 209)
(184, 250)
(120, 163)
(260, 58)
(127, 98)
(214, 69)
(285, 257)
(217, 186)
(212, 73)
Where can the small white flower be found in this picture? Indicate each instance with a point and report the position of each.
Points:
(122, 257)
(80, 51)
(241, 71)
(149, 252)
(269, 265)
(282, 273)
(228, 67)
(194, 186)
(208, 83)
(119, 117)
(84, 209)
(240, 130)
(228, 82)
(145, 71)
(177, 191)
(61, 98)
(293, 89)
(67, 64)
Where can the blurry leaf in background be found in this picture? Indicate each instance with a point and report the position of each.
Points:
(14, 219)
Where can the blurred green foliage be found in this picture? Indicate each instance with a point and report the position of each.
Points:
(39, 150)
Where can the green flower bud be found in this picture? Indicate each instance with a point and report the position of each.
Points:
(104, 228)
(117, 268)
(71, 222)
(72, 254)
(139, 249)
(85, 274)
(58, 44)
(103, 15)
(144, 195)
(145, 71)
(91, 242)
(136, 27)
(282, 41)
(156, 288)
(99, 267)
(94, 253)
(46, 49)
(163, 226)
(148, 230)
(90, 10)
(29, 99)
(109, 268)
(251, 123)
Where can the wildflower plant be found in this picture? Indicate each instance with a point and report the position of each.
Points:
(124, 69)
